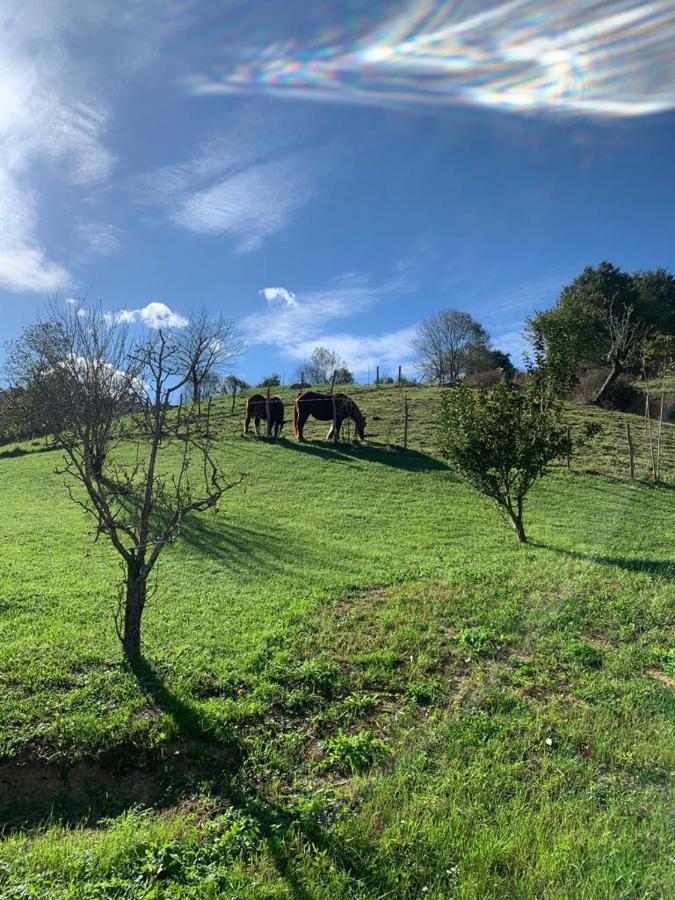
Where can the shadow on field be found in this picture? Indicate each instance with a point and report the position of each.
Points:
(238, 548)
(407, 460)
(662, 568)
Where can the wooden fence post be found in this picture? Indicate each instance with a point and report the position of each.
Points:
(267, 410)
(405, 422)
(234, 395)
(631, 452)
(377, 377)
(569, 446)
(399, 376)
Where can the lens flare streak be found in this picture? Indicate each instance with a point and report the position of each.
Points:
(590, 57)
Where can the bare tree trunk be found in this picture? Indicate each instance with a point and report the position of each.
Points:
(196, 389)
(614, 373)
(136, 595)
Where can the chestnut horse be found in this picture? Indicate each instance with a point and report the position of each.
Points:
(256, 409)
(333, 408)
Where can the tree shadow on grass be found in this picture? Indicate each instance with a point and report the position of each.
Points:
(406, 460)
(239, 548)
(662, 568)
(202, 761)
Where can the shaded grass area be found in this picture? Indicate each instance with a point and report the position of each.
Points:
(355, 684)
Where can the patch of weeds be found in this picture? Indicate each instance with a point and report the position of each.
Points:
(321, 675)
(355, 752)
(380, 665)
(359, 704)
(425, 691)
(664, 658)
(480, 640)
(584, 655)
(501, 700)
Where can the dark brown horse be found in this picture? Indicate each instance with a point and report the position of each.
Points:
(256, 409)
(334, 408)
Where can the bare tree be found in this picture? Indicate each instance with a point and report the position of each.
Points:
(446, 343)
(115, 392)
(206, 345)
(625, 333)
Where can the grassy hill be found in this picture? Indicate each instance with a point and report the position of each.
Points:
(356, 683)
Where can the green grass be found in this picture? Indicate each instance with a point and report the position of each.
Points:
(356, 683)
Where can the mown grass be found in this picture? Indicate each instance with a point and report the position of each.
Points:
(356, 683)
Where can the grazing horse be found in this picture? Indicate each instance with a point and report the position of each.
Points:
(256, 409)
(333, 408)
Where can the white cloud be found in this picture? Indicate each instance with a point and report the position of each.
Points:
(284, 296)
(154, 315)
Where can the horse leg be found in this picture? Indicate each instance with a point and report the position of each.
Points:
(302, 419)
(257, 426)
(248, 422)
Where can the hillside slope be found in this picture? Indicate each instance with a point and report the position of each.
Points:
(355, 684)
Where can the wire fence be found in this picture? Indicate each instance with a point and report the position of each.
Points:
(407, 417)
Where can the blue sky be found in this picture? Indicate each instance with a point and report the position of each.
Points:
(330, 173)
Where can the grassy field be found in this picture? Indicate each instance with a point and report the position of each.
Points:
(355, 683)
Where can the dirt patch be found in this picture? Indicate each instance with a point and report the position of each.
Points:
(84, 791)
(662, 677)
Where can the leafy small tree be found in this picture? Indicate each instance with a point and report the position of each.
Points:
(501, 440)
(270, 381)
(344, 376)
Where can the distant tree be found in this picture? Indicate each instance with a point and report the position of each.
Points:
(445, 345)
(319, 368)
(602, 317)
(212, 385)
(71, 377)
(206, 345)
(111, 392)
(343, 376)
(485, 359)
(501, 440)
(233, 384)
(270, 381)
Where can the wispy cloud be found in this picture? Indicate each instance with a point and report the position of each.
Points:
(248, 185)
(48, 115)
(100, 238)
(587, 57)
(55, 117)
(154, 315)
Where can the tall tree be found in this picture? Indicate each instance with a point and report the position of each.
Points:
(602, 317)
(446, 343)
